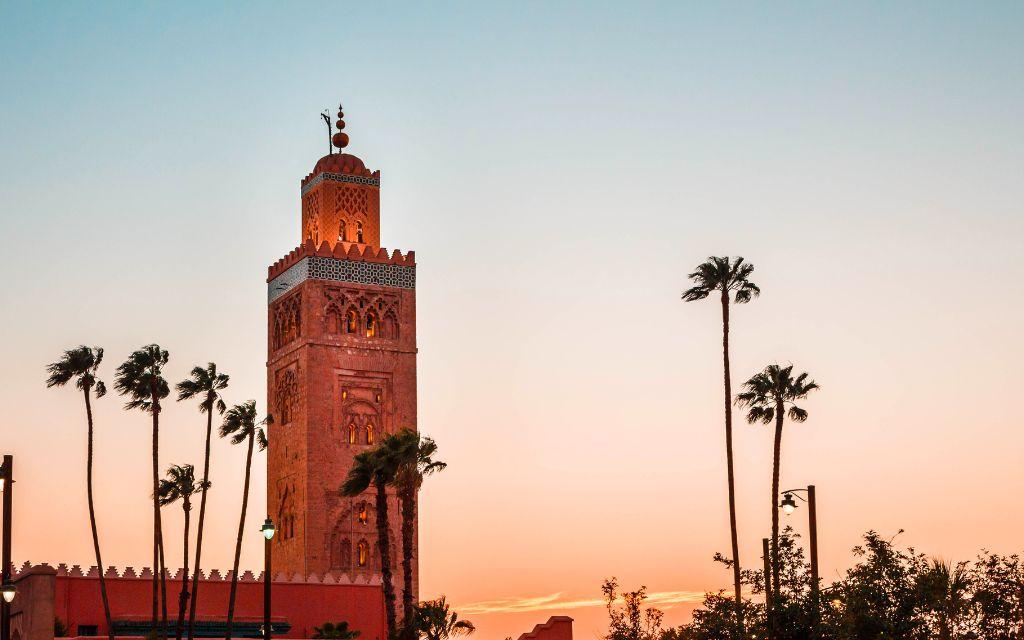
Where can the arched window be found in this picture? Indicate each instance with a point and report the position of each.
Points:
(342, 232)
(363, 554)
(359, 232)
(369, 434)
(363, 514)
(371, 325)
(345, 554)
(351, 433)
(351, 321)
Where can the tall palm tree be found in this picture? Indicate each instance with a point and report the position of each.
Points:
(436, 621)
(180, 484)
(206, 384)
(731, 280)
(140, 378)
(81, 364)
(770, 396)
(414, 455)
(241, 424)
(377, 467)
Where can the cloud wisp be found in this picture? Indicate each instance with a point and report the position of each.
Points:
(660, 599)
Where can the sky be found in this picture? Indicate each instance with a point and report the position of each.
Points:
(558, 168)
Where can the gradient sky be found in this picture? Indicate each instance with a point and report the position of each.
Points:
(558, 169)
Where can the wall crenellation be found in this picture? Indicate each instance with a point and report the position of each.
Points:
(213, 575)
(354, 252)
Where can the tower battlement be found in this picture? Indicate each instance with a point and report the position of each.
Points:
(341, 251)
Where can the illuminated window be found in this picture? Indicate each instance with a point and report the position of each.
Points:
(351, 321)
(344, 393)
(359, 232)
(371, 325)
(342, 233)
(378, 397)
(364, 514)
(362, 553)
(351, 434)
(369, 434)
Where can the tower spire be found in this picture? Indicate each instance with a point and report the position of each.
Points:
(340, 139)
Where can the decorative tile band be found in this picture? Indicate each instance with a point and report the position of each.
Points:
(335, 270)
(339, 177)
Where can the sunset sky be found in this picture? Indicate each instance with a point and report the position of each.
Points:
(558, 169)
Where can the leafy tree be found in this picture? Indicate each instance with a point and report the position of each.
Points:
(241, 424)
(377, 467)
(414, 456)
(730, 279)
(771, 395)
(945, 590)
(334, 631)
(180, 484)
(998, 596)
(205, 384)
(630, 621)
(140, 378)
(81, 365)
(436, 621)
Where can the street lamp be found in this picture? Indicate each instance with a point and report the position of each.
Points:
(268, 531)
(7, 588)
(789, 505)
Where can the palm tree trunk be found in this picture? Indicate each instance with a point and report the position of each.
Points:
(92, 518)
(199, 528)
(183, 597)
(777, 455)
(737, 588)
(408, 518)
(156, 510)
(163, 586)
(158, 530)
(384, 547)
(238, 543)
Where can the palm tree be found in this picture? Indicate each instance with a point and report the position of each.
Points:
(377, 467)
(207, 384)
(436, 622)
(82, 364)
(767, 396)
(335, 631)
(728, 278)
(140, 378)
(181, 484)
(945, 591)
(415, 457)
(240, 423)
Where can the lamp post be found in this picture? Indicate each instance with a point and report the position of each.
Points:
(789, 505)
(7, 588)
(268, 532)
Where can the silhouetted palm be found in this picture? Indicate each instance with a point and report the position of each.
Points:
(205, 384)
(241, 424)
(81, 365)
(436, 621)
(728, 279)
(334, 631)
(377, 467)
(414, 456)
(770, 395)
(140, 378)
(945, 591)
(181, 484)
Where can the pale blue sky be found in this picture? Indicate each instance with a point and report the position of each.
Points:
(558, 168)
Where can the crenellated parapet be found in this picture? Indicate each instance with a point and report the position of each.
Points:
(214, 575)
(360, 264)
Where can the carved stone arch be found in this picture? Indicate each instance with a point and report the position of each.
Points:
(389, 325)
(334, 320)
(351, 319)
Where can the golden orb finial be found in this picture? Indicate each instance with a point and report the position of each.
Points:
(340, 139)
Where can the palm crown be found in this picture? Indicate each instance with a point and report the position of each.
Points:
(414, 455)
(179, 484)
(81, 364)
(437, 622)
(142, 374)
(774, 389)
(719, 274)
(205, 383)
(240, 423)
(374, 466)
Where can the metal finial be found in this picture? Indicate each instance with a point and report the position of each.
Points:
(326, 115)
(340, 139)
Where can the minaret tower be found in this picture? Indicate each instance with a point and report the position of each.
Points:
(341, 371)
